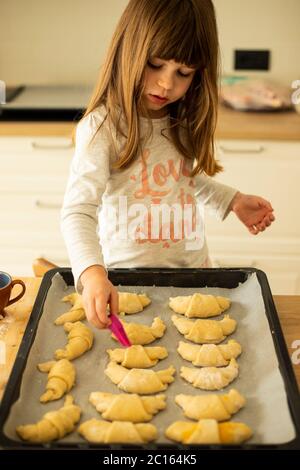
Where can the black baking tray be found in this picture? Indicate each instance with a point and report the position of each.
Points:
(224, 278)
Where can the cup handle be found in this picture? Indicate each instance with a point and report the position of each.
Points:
(17, 281)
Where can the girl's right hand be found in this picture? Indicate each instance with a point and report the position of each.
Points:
(98, 291)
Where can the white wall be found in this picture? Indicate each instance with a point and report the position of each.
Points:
(55, 41)
(261, 24)
(64, 41)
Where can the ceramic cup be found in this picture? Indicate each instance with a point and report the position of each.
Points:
(6, 285)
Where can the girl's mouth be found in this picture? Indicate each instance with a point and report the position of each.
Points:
(157, 99)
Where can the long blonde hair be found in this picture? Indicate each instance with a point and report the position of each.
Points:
(182, 30)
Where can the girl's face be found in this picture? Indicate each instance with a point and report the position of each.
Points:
(165, 81)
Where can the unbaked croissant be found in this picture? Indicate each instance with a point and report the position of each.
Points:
(61, 378)
(80, 340)
(77, 311)
(132, 303)
(205, 331)
(128, 303)
(117, 432)
(127, 407)
(211, 378)
(53, 425)
(208, 355)
(211, 406)
(137, 356)
(141, 381)
(208, 431)
(199, 305)
(143, 334)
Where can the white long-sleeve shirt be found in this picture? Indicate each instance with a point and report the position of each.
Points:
(111, 217)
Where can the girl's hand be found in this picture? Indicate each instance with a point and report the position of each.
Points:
(98, 291)
(253, 211)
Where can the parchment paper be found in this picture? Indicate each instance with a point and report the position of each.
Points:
(259, 380)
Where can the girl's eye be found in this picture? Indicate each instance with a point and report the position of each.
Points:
(184, 74)
(155, 66)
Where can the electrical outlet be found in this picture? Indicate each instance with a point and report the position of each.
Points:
(251, 59)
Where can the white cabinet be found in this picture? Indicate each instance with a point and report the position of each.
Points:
(271, 170)
(33, 177)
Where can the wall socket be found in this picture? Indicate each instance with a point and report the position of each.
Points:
(251, 59)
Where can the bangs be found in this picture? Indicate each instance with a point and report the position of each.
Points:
(176, 39)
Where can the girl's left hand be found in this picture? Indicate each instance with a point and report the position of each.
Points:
(253, 211)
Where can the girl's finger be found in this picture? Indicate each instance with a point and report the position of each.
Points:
(93, 317)
(253, 230)
(272, 217)
(269, 219)
(101, 311)
(266, 204)
(114, 302)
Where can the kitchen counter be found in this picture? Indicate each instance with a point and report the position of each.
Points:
(258, 125)
(12, 327)
(36, 129)
(281, 126)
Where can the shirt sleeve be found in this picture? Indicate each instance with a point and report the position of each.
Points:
(87, 181)
(216, 196)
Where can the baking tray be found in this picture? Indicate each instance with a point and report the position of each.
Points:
(208, 280)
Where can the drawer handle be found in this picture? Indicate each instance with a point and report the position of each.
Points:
(228, 264)
(46, 205)
(41, 146)
(259, 149)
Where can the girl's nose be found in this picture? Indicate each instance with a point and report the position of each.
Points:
(165, 81)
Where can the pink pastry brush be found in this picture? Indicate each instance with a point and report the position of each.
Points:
(118, 330)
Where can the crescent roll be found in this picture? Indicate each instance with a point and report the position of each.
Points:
(211, 378)
(199, 305)
(137, 356)
(205, 331)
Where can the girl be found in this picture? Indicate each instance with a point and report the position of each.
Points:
(144, 153)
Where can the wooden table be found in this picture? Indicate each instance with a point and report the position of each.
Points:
(13, 326)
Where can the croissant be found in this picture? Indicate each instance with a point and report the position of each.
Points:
(61, 378)
(125, 407)
(210, 354)
(211, 378)
(117, 432)
(199, 305)
(143, 334)
(132, 303)
(211, 406)
(76, 313)
(205, 331)
(208, 431)
(80, 340)
(138, 356)
(53, 425)
(141, 381)
(128, 303)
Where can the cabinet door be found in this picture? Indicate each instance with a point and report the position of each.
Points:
(270, 170)
(267, 169)
(33, 178)
(30, 218)
(283, 272)
(34, 164)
